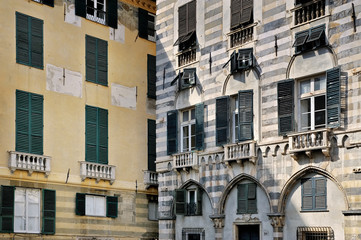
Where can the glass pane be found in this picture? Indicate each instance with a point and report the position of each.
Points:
(305, 105)
(185, 116)
(305, 87)
(193, 114)
(320, 119)
(320, 83)
(320, 102)
(185, 131)
(193, 142)
(185, 144)
(33, 224)
(193, 129)
(192, 196)
(19, 224)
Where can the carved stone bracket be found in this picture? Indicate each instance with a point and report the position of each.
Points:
(218, 221)
(277, 220)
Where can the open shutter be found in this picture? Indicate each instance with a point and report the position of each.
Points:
(316, 33)
(80, 204)
(102, 62)
(142, 23)
(151, 76)
(90, 134)
(90, 59)
(285, 98)
(245, 113)
(252, 198)
(307, 194)
(112, 206)
(246, 11)
(49, 209)
(151, 144)
(192, 16)
(333, 98)
(112, 13)
(49, 2)
(180, 201)
(22, 121)
(22, 39)
(36, 42)
(222, 115)
(7, 209)
(36, 120)
(80, 8)
(172, 143)
(199, 202)
(320, 193)
(199, 126)
(182, 20)
(242, 200)
(235, 13)
(233, 60)
(102, 136)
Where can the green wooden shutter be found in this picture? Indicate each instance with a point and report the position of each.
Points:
(142, 23)
(307, 194)
(182, 20)
(49, 209)
(151, 76)
(199, 202)
(192, 16)
(102, 62)
(242, 199)
(245, 113)
(112, 206)
(172, 125)
(180, 201)
(246, 11)
(234, 62)
(235, 13)
(22, 39)
(49, 2)
(199, 126)
(36, 43)
(222, 117)
(112, 13)
(22, 121)
(36, 120)
(102, 136)
(285, 98)
(320, 193)
(80, 204)
(252, 198)
(333, 98)
(80, 8)
(7, 209)
(91, 59)
(91, 115)
(151, 144)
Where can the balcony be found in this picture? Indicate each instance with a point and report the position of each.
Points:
(97, 171)
(185, 160)
(192, 209)
(29, 162)
(240, 151)
(187, 56)
(241, 36)
(150, 178)
(309, 11)
(310, 141)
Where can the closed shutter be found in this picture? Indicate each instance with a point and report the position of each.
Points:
(307, 194)
(182, 20)
(90, 58)
(172, 143)
(36, 120)
(112, 13)
(320, 193)
(36, 42)
(91, 133)
(80, 204)
(151, 144)
(246, 11)
(192, 19)
(180, 201)
(151, 76)
(222, 115)
(245, 113)
(285, 98)
(7, 209)
(242, 200)
(96, 60)
(102, 136)
(199, 126)
(235, 13)
(49, 209)
(49, 2)
(142, 23)
(80, 8)
(22, 121)
(199, 202)
(112, 206)
(252, 198)
(333, 89)
(22, 39)
(102, 62)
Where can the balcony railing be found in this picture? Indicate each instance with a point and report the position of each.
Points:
(192, 209)
(240, 151)
(29, 162)
(150, 178)
(97, 171)
(309, 11)
(187, 56)
(309, 141)
(185, 160)
(241, 36)
(96, 15)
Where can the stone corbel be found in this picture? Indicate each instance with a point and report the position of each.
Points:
(277, 220)
(326, 152)
(218, 220)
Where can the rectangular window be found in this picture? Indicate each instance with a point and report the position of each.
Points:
(241, 60)
(29, 40)
(248, 232)
(314, 194)
(186, 26)
(95, 205)
(193, 234)
(151, 76)
(188, 130)
(96, 60)
(27, 210)
(310, 39)
(29, 122)
(146, 24)
(151, 144)
(46, 2)
(315, 233)
(188, 201)
(153, 211)
(95, 10)
(247, 198)
(241, 13)
(96, 135)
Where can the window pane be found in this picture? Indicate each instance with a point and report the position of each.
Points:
(320, 83)
(185, 131)
(320, 102)
(192, 196)
(305, 87)
(185, 116)
(193, 136)
(193, 113)
(320, 119)
(19, 211)
(305, 114)
(90, 7)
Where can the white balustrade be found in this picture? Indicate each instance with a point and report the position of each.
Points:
(239, 151)
(185, 159)
(97, 171)
(29, 162)
(150, 178)
(241, 36)
(309, 11)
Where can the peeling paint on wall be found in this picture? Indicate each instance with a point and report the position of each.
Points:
(118, 34)
(124, 96)
(69, 12)
(128, 16)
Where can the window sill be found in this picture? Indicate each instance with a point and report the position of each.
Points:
(312, 211)
(30, 66)
(96, 83)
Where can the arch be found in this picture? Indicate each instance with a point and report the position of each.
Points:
(287, 188)
(346, 141)
(275, 152)
(190, 182)
(232, 184)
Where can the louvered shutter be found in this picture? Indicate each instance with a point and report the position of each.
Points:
(180, 201)
(233, 60)
(333, 98)
(307, 194)
(316, 33)
(49, 2)
(91, 134)
(80, 204)
(199, 126)
(7, 209)
(320, 193)
(199, 202)
(143, 23)
(182, 20)
(251, 197)
(235, 13)
(245, 115)
(222, 115)
(49, 209)
(80, 8)
(112, 13)
(36, 43)
(151, 144)
(300, 38)
(192, 19)
(91, 59)
(151, 76)
(102, 136)
(36, 126)
(22, 39)
(22, 121)
(242, 200)
(285, 98)
(102, 62)
(112, 206)
(172, 124)
(246, 11)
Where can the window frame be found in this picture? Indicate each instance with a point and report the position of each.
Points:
(190, 123)
(196, 231)
(248, 199)
(95, 201)
(94, 17)
(306, 40)
(314, 194)
(46, 2)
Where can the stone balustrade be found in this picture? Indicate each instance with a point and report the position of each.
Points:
(188, 56)
(29, 162)
(240, 151)
(241, 36)
(309, 11)
(150, 178)
(185, 160)
(97, 171)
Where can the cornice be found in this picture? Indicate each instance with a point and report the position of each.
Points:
(145, 4)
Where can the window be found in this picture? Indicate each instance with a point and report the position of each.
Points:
(101, 11)
(152, 211)
(29, 41)
(46, 2)
(22, 210)
(248, 232)
(151, 76)
(96, 60)
(151, 144)
(240, 60)
(186, 26)
(315, 233)
(314, 194)
(188, 201)
(193, 234)
(241, 13)
(29, 122)
(310, 39)
(96, 135)
(146, 24)
(96, 205)
(186, 79)
(188, 130)
(247, 198)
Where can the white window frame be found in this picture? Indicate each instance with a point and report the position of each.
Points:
(92, 205)
(151, 37)
(94, 17)
(26, 203)
(191, 122)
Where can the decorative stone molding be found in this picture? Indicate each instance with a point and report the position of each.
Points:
(146, 4)
(29, 162)
(240, 151)
(218, 220)
(185, 160)
(150, 178)
(277, 220)
(97, 171)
